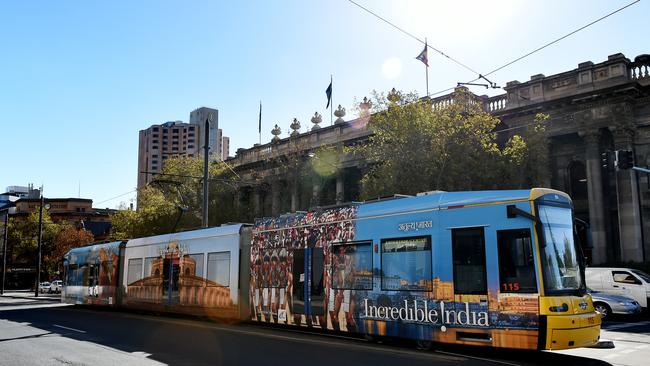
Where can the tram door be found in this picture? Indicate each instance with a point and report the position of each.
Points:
(171, 271)
(308, 287)
(470, 276)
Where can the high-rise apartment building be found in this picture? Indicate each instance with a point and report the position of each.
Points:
(161, 142)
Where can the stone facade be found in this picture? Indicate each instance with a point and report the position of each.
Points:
(593, 108)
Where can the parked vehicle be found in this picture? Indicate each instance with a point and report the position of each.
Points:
(607, 304)
(55, 286)
(620, 281)
(44, 287)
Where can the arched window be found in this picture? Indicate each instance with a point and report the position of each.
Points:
(578, 180)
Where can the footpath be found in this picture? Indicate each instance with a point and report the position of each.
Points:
(29, 295)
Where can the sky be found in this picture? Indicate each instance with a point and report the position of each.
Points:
(79, 79)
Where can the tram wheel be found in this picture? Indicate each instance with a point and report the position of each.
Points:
(422, 345)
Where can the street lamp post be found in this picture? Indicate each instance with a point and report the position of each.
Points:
(40, 239)
(4, 253)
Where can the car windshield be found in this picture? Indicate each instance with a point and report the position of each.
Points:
(643, 275)
(560, 266)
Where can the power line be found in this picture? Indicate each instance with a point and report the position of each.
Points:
(414, 37)
(544, 46)
(118, 196)
(563, 37)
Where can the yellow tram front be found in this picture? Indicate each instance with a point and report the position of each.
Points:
(567, 315)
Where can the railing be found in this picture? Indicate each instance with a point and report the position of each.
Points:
(495, 103)
(442, 102)
(640, 69)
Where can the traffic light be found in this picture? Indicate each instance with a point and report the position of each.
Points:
(607, 160)
(624, 159)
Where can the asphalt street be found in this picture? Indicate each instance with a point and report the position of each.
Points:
(38, 332)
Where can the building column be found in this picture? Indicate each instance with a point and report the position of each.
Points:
(275, 198)
(257, 204)
(629, 215)
(595, 196)
(315, 192)
(340, 186)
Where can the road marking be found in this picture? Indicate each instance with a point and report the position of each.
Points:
(641, 346)
(628, 351)
(611, 355)
(72, 329)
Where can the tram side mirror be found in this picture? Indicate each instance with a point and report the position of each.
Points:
(512, 211)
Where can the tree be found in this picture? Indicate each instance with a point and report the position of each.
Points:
(416, 148)
(67, 238)
(173, 200)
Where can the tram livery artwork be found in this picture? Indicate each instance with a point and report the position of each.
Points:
(492, 268)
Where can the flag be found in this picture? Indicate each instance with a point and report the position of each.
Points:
(423, 55)
(259, 128)
(328, 92)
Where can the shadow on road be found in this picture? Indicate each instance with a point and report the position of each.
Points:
(181, 342)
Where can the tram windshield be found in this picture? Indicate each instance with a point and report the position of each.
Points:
(560, 264)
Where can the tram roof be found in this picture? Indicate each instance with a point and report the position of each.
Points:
(93, 247)
(442, 200)
(225, 230)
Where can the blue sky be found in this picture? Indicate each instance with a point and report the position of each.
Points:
(79, 79)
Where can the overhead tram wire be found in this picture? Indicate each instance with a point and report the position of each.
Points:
(416, 38)
(543, 46)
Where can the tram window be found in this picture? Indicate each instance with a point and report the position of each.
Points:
(148, 265)
(198, 259)
(468, 246)
(406, 264)
(219, 269)
(516, 266)
(135, 270)
(352, 266)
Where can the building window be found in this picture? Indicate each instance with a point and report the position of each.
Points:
(154, 162)
(190, 141)
(219, 269)
(134, 270)
(154, 141)
(578, 180)
(154, 167)
(190, 146)
(468, 249)
(155, 147)
(155, 135)
(175, 143)
(191, 134)
(191, 128)
(154, 156)
(174, 148)
(516, 264)
(155, 129)
(406, 264)
(175, 130)
(352, 266)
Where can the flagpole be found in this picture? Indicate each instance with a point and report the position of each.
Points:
(332, 101)
(426, 67)
(259, 128)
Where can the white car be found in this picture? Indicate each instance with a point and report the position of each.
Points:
(55, 286)
(44, 287)
(620, 281)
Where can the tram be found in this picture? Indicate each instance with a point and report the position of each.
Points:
(488, 268)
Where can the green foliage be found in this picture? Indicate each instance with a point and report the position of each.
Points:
(173, 201)
(22, 237)
(416, 148)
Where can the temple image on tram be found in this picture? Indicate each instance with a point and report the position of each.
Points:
(488, 268)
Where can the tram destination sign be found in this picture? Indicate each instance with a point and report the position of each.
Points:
(415, 225)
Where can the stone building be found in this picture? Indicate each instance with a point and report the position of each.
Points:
(593, 108)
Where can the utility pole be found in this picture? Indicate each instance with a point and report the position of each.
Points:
(4, 253)
(206, 155)
(40, 239)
